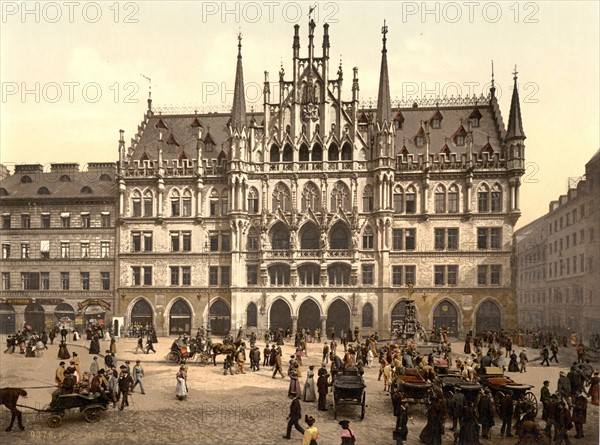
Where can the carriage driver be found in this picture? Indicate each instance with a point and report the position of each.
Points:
(67, 386)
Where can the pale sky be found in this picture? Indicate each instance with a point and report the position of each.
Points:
(71, 73)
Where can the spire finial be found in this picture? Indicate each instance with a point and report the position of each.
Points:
(515, 72)
(384, 31)
(493, 87)
(149, 91)
(239, 37)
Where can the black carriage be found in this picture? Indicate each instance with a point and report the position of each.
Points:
(449, 380)
(500, 385)
(412, 385)
(349, 388)
(91, 405)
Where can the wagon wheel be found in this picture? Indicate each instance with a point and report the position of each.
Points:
(54, 421)
(531, 400)
(92, 414)
(363, 405)
(173, 357)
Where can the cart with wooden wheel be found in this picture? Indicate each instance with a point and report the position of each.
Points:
(349, 388)
(500, 385)
(92, 406)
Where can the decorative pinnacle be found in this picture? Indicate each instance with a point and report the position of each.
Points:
(239, 43)
(384, 31)
(515, 72)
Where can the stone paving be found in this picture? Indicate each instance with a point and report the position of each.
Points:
(240, 409)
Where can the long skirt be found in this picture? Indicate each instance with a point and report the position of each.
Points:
(309, 390)
(63, 352)
(181, 388)
(295, 389)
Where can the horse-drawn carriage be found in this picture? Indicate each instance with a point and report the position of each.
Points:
(349, 388)
(180, 353)
(91, 405)
(449, 380)
(500, 385)
(412, 385)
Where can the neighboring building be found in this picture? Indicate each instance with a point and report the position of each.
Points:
(58, 245)
(557, 254)
(319, 213)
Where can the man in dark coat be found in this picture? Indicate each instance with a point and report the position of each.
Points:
(255, 359)
(506, 414)
(469, 429)
(487, 412)
(579, 414)
(456, 408)
(545, 355)
(294, 416)
(551, 416)
(563, 424)
(401, 413)
(266, 355)
(434, 429)
(125, 384)
(323, 388)
(545, 399)
(564, 388)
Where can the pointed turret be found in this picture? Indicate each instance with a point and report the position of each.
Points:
(515, 125)
(238, 111)
(384, 104)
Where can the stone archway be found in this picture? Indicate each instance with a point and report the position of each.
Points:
(309, 315)
(446, 314)
(488, 317)
(220, 318)
(338, 316)
(280, 315)
(180, 318)
(35, 317)
(398, 312)
(7, 319)
(141, 313)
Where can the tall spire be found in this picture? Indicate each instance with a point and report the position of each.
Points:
(493, 87)
(515, 125)
(238, 111)
(384, 105)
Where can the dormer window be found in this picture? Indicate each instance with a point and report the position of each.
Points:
(436, 120)
(475, 122)
(460, 141)
(475, 117)
(419, 140)
(459, 136)
(399, 120)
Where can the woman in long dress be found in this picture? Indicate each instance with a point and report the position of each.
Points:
(181, 387)
(309, 386)
(294, 390)
(63, 352)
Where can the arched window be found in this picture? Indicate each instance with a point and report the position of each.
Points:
(274, 154)
(317, 153)
(368, 198)
(309, 274)
(288, 153)
(311, 198)
(340, 197)
(339, 274)
(367, 316)
(398, 199)
(253, 201)
(496, 200)
(411, 199)
(279, 274)
(303, 154)
(483, 198)
(224, 202)
(105, 177)
(136, 203)
(86, 190)
(346, 152)
(65, 178)
(281, 237)
(453, 199)
(281, 198)
(340, 237)
(148, 203)
(175, 203)
(26, 179)
(440, 199)
(333, 153)
(368, 238)
(3, 191)
(251, 315)
(309, 238)
(44, 191)
(253, 240)
(186, 203)
(214, 203)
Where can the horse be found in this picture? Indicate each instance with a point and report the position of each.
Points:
(8, 398)
(220, 348)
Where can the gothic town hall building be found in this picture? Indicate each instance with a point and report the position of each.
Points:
(317, 212)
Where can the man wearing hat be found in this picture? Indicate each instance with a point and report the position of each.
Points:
(138, 373)
(293, 418)
(564, 388)
(125, 382)
(322, 388)
(100, 385)
(523, 361)
(507, 410)
(486, 411)
(401, 412)
(545, 398)
(108, 360)
(551, 416)
(347, 435)
(59, 376)
(563, 424)
(67, 386)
